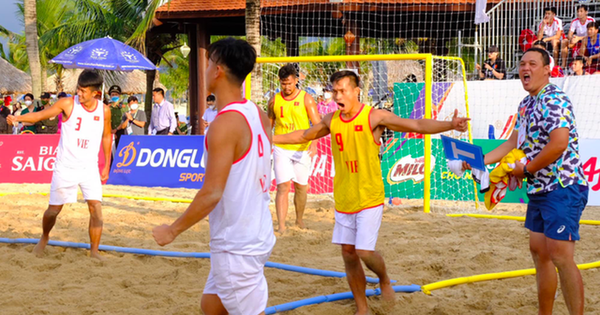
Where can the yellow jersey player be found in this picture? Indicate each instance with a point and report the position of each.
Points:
(290, 110)
(358, 186)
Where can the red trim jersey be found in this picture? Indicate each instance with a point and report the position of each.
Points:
(357, 184)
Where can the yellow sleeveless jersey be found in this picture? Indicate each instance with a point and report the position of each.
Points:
(357, 184)
(291, 115)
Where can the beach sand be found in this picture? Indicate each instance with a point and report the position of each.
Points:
(418, 249)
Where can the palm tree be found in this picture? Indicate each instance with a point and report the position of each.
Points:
(31, 42)
(253, 38)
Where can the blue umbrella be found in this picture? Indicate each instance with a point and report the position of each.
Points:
(104, 54)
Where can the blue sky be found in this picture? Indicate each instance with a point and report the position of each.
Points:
(9, 20)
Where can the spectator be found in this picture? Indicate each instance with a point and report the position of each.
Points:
(577, 32)
(59, 96)
(117, 111)
(49, 125)
(551, 31)
(163, 121)
(590, 49)
(28, 98)
(577, 66)
(555, 71)
(182, 127)
(17, 108)
(210, 113)
(134, 120)
(494, 68)
(328, 105)
(5, 128)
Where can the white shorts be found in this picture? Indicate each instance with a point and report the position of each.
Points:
(65, 180)
(239, 281)
(359, 229)
(291, 165)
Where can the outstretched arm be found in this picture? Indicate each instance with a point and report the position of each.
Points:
(221, 155)
(302, 136)
(106, 143)
(424, 126)
(34, 117)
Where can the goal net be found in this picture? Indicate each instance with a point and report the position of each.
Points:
(396, 83)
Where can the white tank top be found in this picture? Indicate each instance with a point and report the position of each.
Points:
(241, 222)
(81, 136)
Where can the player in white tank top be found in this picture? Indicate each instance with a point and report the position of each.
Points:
(87, 126)
(235, 191)
(81, 135)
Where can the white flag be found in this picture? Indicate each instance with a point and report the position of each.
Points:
(480, 16)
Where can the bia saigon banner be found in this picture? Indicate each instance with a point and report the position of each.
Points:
(30, 158)
(165, 161)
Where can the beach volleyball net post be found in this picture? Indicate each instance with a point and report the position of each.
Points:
(411, 86)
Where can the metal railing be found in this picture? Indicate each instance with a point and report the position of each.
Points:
(509, 17)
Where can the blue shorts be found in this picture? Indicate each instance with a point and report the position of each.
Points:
(557, 213)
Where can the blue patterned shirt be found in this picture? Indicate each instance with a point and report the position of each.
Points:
(549, 110)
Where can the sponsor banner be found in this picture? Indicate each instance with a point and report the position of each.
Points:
(166, 161)
(30, 158)
(322, 170)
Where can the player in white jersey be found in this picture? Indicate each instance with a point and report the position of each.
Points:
(550, 31)
(85, 126)
(235, 193)
(577, 32)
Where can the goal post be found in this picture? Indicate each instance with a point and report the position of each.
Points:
(314, 72)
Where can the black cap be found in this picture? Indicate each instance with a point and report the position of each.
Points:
(61, 95)
(493, 49)
(114, 88)
(45, 95)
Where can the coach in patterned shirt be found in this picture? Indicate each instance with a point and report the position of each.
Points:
(557, 190)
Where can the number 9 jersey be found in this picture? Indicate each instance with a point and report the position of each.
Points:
(358, 183)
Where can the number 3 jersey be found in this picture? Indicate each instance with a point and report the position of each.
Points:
(81, 136)
(241, 222)
(357, 184)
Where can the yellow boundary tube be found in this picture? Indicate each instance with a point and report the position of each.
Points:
(509, 217)
(177, 200)
(342, 58)
(492, 276)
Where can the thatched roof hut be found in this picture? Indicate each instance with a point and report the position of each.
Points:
(133, 82)
(13, 80)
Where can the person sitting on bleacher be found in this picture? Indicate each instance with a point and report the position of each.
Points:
(551, 31)
(494, 68)
(590, 49)
(577, 66)
(577, 32)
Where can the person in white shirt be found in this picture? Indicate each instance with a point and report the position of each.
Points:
(210, 113)
(85, 126)
(162, 121)
(235, 191)
(551, 31)
(577, 32)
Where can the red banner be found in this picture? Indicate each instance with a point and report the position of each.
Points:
(29, 158)
(321, 171)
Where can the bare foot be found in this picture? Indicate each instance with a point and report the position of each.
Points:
(300, 224)
(388, 294)
(282, 229)
(366, 312)
(96, 254)
(38, 250)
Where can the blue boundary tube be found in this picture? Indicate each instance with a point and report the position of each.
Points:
(150, 252)
(334, 297)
